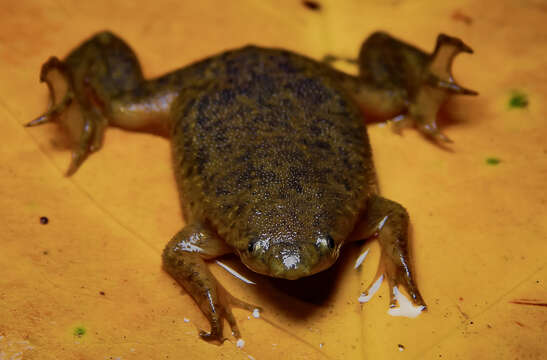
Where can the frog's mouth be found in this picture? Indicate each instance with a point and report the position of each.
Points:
(289, 260)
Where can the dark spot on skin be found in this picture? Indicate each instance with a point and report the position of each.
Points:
(457, 15)
(45, 252)
(285, 65)
(226, 96)
(44, 220)
(322, 145)
(315, 130)
(312, 5)
(188, 107)
(203, 104)
(202, 157)
(310, 90)
(222, 191)
(102, 293)
(518, 100)
(492, 161)
(401, 347)
(79, 331)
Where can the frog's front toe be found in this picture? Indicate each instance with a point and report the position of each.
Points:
(183, 259)
(398, 273)
(388, 221)
(221, 310)
(89, 139)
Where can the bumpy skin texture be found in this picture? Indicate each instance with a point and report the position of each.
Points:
(298, 173)
(270, 151)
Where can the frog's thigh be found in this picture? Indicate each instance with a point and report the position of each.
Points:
(389, 221)
(183, 259)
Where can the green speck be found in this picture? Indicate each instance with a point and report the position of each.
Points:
(492, 161)
(518, 100)
(79, 331)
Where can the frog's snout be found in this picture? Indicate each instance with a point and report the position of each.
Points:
(291, 259)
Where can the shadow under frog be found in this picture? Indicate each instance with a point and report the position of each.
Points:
(270, 151)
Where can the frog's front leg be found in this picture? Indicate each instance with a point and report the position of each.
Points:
(388, 221)
(183, 259)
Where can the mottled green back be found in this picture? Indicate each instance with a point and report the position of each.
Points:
(274, 150)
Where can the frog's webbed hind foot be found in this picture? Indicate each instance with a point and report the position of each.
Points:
(54, 75)
(84, 125)
(437, 85)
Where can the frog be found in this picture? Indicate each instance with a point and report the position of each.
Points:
(269, 148)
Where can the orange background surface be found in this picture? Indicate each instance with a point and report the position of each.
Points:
(89, 284)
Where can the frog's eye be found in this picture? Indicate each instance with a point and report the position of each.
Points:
(325, 241)
(251, 246)
(330, 242)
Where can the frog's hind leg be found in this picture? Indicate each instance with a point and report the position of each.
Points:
(184, 259)
(83, 87)
(400, 82)
(388, 221)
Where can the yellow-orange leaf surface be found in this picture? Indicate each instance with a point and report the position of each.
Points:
(89, 285)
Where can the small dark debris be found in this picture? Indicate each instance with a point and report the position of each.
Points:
(44, 220)
(102, 293)
(471, 323)
(45, 252)
(312, 5)
(492, 161)
(401, 347)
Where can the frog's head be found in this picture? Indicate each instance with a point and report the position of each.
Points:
(290, 247)
(290, 258)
